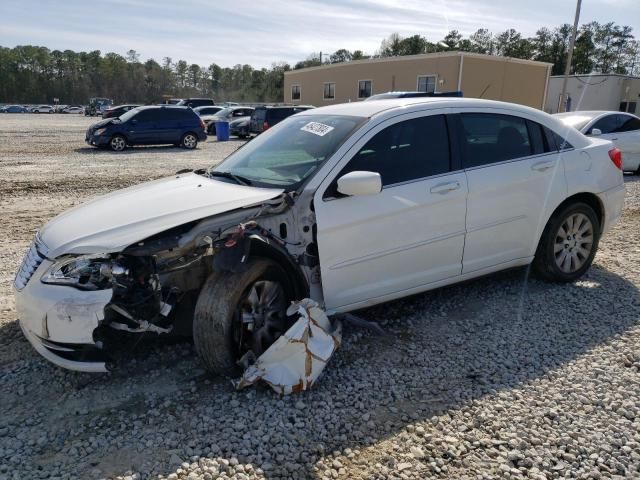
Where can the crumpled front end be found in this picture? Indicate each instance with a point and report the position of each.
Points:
(59, 321)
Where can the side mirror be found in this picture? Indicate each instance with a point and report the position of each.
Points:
(595, 132)
(360, 183)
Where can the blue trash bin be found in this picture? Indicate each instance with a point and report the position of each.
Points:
(222, 131)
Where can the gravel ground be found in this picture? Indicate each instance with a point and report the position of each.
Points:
(501, 377)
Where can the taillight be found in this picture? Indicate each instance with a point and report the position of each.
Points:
(202, 125)
(616, 157)
(265, 125)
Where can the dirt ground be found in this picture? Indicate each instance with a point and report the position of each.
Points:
(502, 377)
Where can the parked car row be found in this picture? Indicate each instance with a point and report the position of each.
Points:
(41, 109)
(245, 121)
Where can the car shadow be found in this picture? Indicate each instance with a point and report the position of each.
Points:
(442, 350)
(88, 150)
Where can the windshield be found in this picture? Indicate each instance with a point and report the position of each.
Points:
(126, 116)
(288, 154)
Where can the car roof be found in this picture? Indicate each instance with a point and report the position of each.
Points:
(376, 107)
(157, 107)
(383, 109)
(590, 113)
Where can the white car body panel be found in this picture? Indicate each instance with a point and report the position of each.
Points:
(112, 222)
(508, 205)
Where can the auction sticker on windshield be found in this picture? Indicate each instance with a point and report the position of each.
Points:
(317, 128)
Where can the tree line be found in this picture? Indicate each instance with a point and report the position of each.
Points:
(601, 48)
(33, 74)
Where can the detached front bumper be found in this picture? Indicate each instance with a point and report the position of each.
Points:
(59, 322)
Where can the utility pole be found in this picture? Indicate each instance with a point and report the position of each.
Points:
(567, 69)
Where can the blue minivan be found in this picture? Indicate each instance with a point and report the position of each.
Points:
(151, 125)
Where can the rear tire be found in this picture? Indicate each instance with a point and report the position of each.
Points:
(117, 143)
(189, 141)
(568, 244)
(220, 332)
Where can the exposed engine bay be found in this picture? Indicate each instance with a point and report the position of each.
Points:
(156, 282)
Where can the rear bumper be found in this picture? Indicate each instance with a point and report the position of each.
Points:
(202, 136)
(613, 201)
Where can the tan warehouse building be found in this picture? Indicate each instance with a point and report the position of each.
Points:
(478, 76)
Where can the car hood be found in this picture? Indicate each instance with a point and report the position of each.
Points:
(112, 222)
(101, 123)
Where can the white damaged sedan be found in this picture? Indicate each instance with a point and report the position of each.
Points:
(349, 205)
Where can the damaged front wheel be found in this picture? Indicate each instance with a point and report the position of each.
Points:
(239, 315)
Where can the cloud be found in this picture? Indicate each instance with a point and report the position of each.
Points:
(260, 33)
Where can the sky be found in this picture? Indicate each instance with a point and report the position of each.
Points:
(260, 33)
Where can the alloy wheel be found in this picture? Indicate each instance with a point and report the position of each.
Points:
(118, 144)
(190, 141)
(573, 243)
(262, 315)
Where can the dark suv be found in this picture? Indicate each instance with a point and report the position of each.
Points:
(195, 102)
(153, 125)
(267, 116)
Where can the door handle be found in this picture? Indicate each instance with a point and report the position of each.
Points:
(445, 187)
(614, 138)
(542, 166)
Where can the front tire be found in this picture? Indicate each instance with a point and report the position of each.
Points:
(117, 143)
(568, 244)
(189, 141)
(240, 312)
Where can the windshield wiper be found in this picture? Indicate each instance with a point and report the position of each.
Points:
(237, 178)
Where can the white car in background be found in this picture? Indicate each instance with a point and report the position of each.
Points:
(73, 110)
(623, 129)
(43, 109)
(350, 205)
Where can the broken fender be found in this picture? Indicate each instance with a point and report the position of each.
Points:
(295, 360)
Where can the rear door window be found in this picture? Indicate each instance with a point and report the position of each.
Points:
(629, 124)
(539, 143)
(489, 138)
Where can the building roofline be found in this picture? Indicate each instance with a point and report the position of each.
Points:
(421, 56)
(590, 75)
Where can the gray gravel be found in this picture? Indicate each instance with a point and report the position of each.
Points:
(502, 377)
